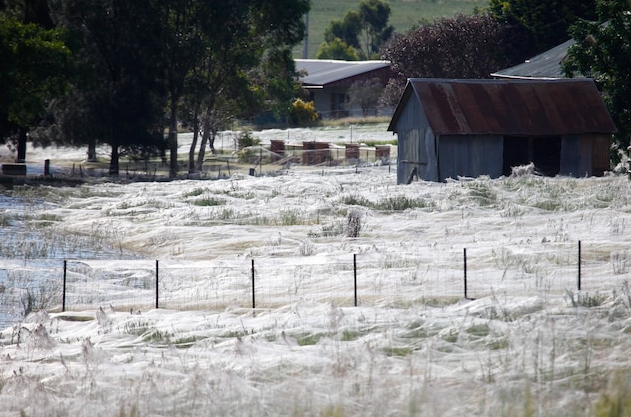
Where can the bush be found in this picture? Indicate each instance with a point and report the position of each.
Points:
(302, 113)
(246, 139)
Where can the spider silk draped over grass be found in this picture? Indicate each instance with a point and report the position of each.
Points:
(528, 345)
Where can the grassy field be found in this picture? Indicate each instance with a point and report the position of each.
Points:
(405, 14)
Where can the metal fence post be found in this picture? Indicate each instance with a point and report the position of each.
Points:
(253, 290)
(157, 282)
(355, 276)
(579, 265)
(63, 290)
(465, 274)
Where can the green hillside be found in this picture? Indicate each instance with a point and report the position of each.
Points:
(405, 14)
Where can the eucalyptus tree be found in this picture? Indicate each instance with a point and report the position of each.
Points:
(32, 72)
(365, 30)
(182, 35)
(119, 97)
(246, 62)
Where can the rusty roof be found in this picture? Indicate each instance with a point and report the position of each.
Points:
(509, 107)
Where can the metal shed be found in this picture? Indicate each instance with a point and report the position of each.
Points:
(467, 128)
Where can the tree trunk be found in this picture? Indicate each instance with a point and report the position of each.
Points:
(114, 160)
(202, 148)
(173, 139)
(22, 136)
(191, 152)
(211, 141)
(91, 151)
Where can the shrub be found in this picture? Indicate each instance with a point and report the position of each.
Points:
(302, 113)
(246, 139)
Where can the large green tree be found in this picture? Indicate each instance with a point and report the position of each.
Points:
(337, 49)
(245, 64)
(121, 96)
(32, 72)
(603, 52)
(183, 34)
(365, 30)
(543, 22)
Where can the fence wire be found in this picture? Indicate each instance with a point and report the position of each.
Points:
(384, 279)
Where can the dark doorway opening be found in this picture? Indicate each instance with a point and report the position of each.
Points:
(543, 151)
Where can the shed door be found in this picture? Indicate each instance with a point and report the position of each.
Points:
(544, 151)
(515, 153)
(547, 154)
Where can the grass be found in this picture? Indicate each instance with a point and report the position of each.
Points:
(404, 15)
(391, 203)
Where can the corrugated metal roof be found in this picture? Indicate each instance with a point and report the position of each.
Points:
(509, 107)
(321, 72)
(545, 66)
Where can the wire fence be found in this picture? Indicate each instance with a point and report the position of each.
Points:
(253, 160)
(433, 276)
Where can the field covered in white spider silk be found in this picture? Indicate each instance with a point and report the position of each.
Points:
(526, 341)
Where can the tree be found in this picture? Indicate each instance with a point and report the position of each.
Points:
(34, 61)
(365, 94)
(337, 49)
(543, 22)
(458, 47)
(246, 61)
(347, 29)
(121, 98)
(375, 31)
(603, 52)
(392, 93)
(28, 11)
(365, 30)
(182, 31)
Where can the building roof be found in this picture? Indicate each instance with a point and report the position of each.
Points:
(509, 107)
(323, 72)
(545, 66)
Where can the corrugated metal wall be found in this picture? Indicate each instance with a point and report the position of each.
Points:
(576, 156)
(437, 156)
(416, 144)
(470, 156)
(601, 144)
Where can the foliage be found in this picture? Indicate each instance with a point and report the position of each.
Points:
(376, 31)
(245, 64)
(458, 47)
(246, 139)
(364, 30)
(392, 93)
(134, 60)
(615, 400)
(404, 14)
(365, 94)
(302, 113)
(119, 95)
(337, 49)
(346, 29)
(32, 71)
(543, 22)
(603, 52)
